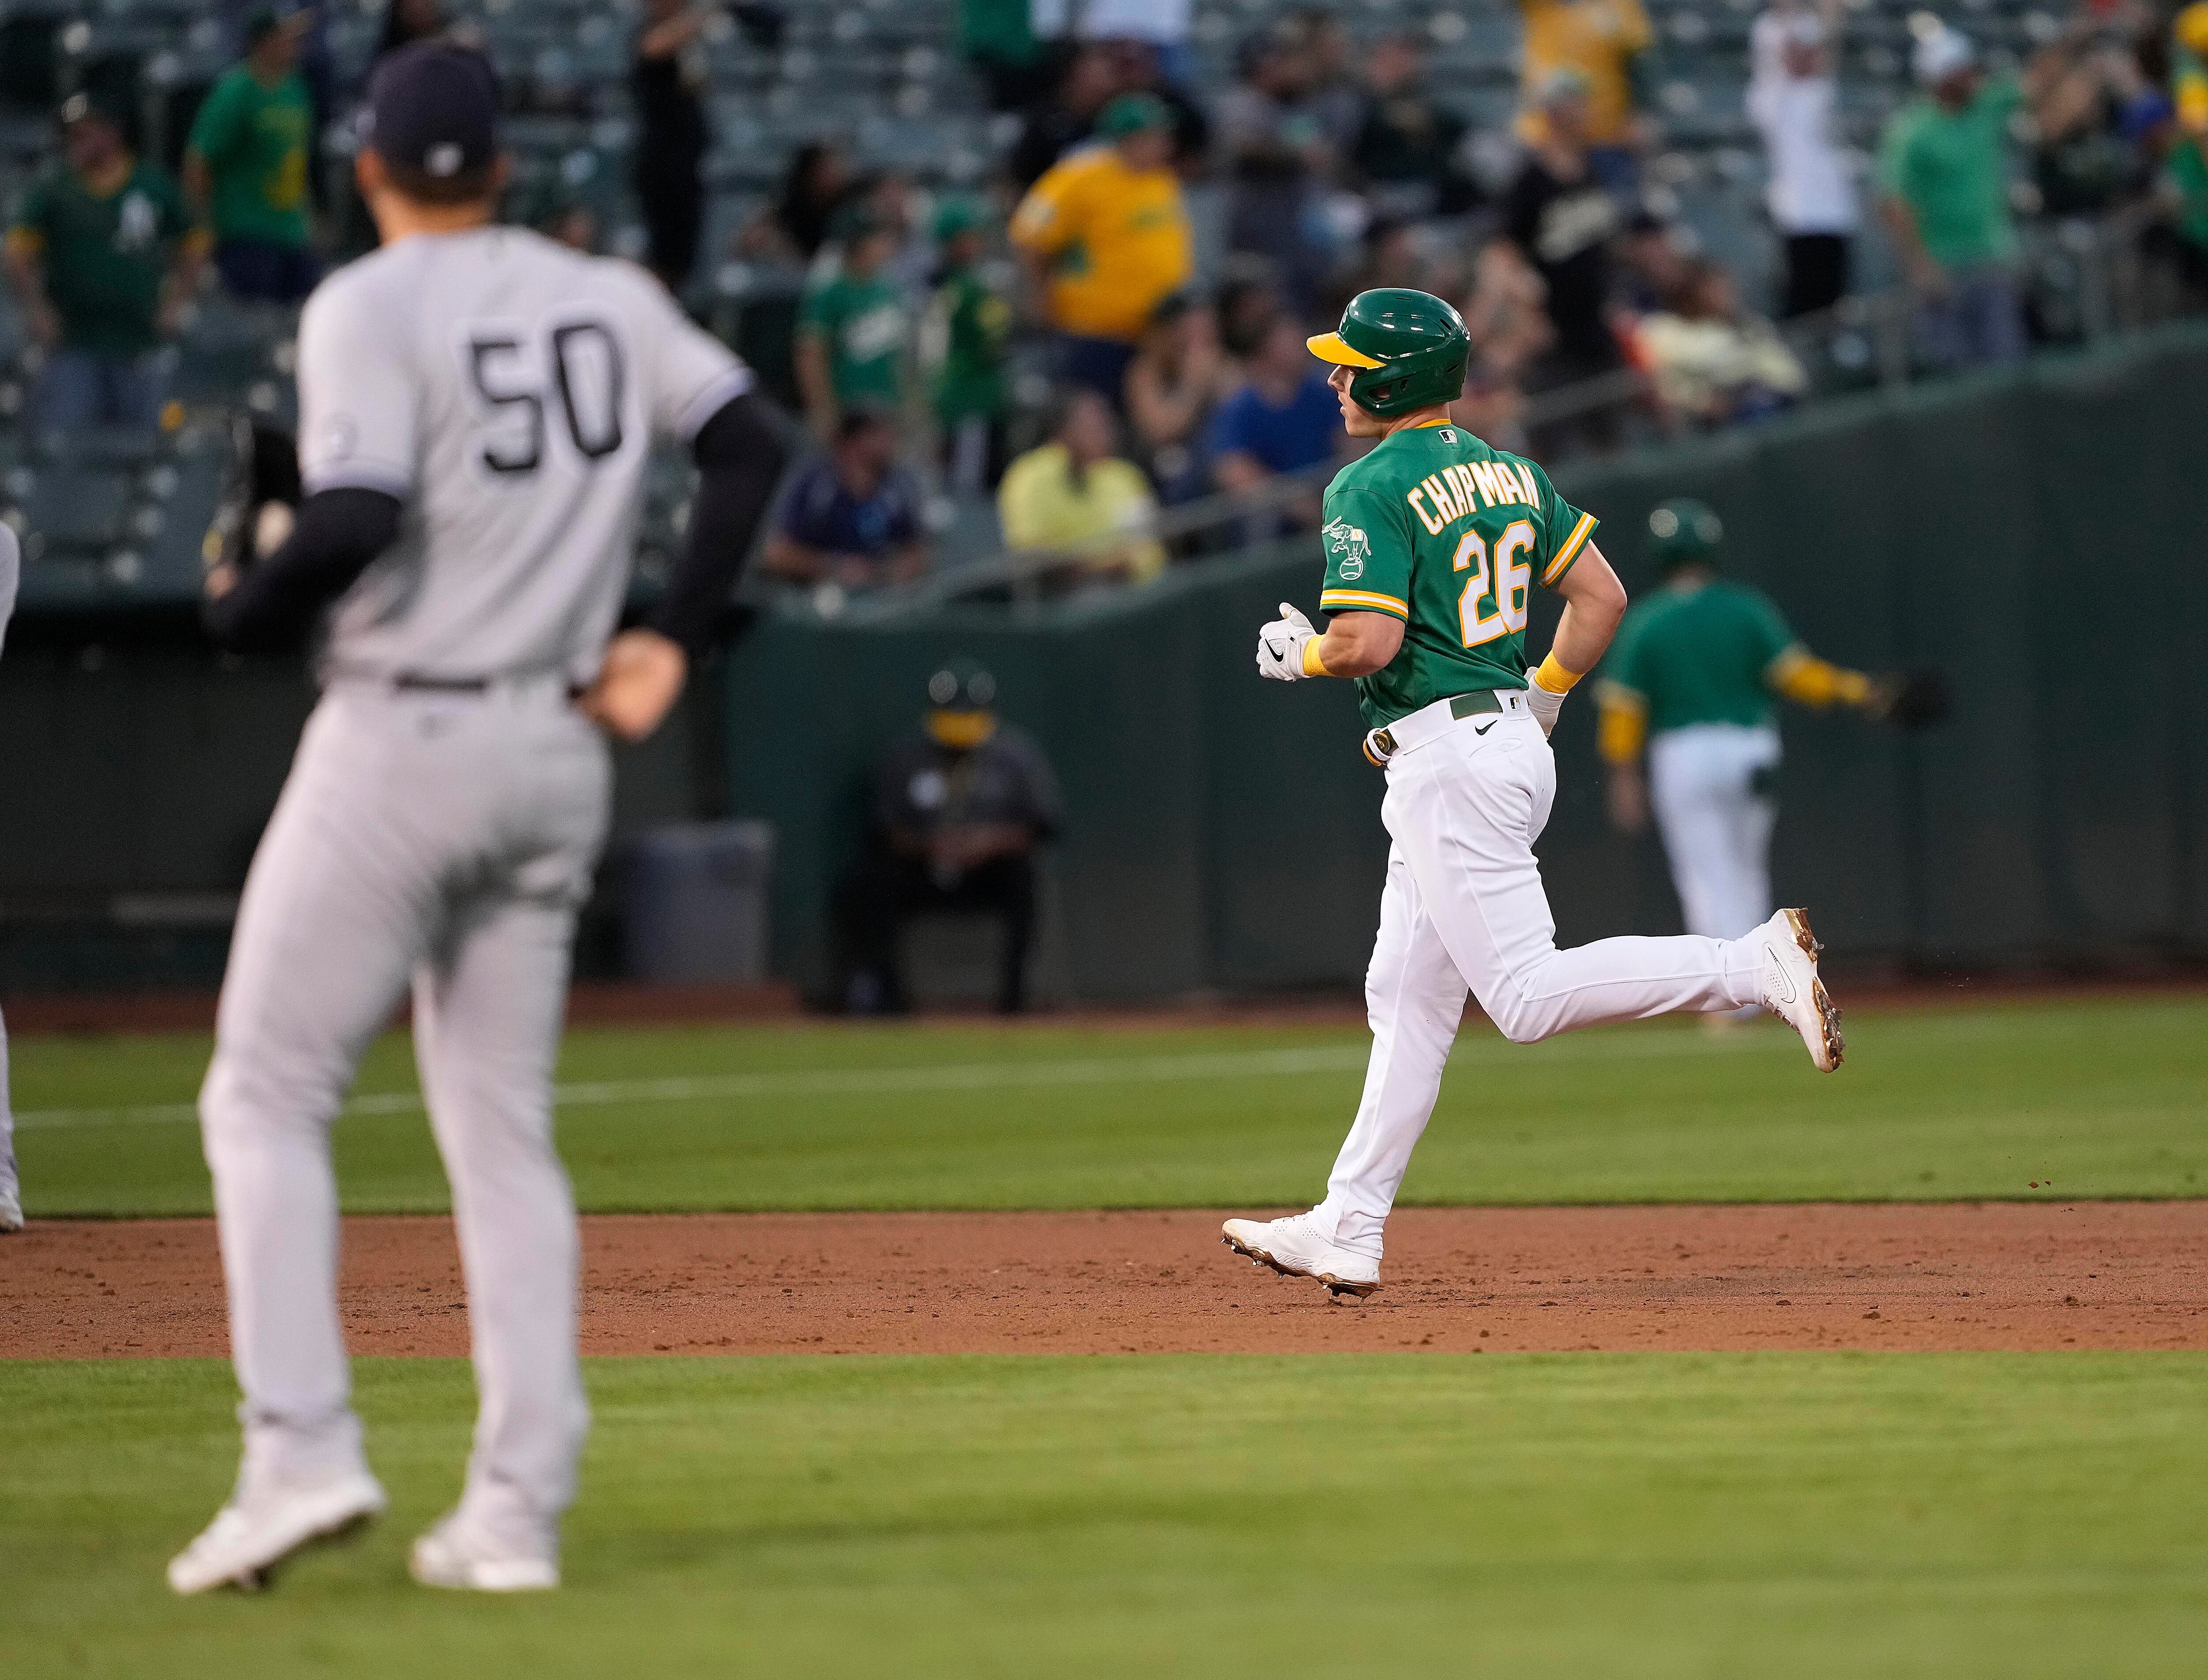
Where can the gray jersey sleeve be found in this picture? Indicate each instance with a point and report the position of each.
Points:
(689, 373)
(10, 565)
(359, 419)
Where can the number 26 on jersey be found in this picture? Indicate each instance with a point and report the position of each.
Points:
(1493, 603)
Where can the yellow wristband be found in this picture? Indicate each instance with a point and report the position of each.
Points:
(1554, 678)
(1312, 667)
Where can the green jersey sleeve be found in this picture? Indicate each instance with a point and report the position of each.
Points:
(1368, 555)
(215, 129)
(1620, 666)
(1773, 636)
(819, 309)
(1565, 531)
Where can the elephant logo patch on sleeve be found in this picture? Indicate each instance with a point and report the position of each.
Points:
(1349, 549)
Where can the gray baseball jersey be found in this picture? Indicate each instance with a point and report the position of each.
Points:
(507, 390)
(10, 564)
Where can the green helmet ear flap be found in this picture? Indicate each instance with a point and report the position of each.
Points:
(1409, 349)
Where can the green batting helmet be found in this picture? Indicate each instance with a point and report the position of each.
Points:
(1409, 349)
(1684, 530)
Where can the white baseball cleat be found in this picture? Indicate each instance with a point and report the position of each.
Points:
(11, 1212)
(1792, 990)
(457, 1555)
(256, 1532)
(1294, 1248)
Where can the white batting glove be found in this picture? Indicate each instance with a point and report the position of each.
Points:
(1543, 705)
(1280, 646)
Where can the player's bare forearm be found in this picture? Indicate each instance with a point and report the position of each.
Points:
(1594, 601)
(1359, 644)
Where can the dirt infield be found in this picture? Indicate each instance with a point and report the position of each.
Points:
(1993, 1275)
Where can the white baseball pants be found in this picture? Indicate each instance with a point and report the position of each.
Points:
(1715, 822)
(447, 839)
(1464, 910)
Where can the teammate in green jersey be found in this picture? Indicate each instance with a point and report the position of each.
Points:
(1434, 544)
(1697, 666)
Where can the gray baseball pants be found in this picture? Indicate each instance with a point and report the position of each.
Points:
(10, 1187)
(447, 839)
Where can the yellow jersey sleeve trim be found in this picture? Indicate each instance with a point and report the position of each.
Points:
(1362, 601)
(1570, 550)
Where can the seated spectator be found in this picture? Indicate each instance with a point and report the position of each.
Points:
(1792, 98)
(246, 166)
(795, 228)
(852, 517)
(1398, 252)
(1492, 408)
(961, 806)
(853, 329)
(1072, 497)
(1606, 45)
(103, 257)
(1504, 313)
(1333, 94)
(1715, 362)
(1277, 157)
(407, 21)
(969, 334)
(1179, 376)
(1104, 237)
(1406, 150)
(1285, 419)
(1651, 260)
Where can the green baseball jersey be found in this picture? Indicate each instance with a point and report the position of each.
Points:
(975, 328)
(864, 322)
(1699, 655)
(1437, 529)
(256, 141)
(105, 257)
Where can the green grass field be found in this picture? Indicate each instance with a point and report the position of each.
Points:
(1597, 1516)
(1938, 1516)
(2101, 1099)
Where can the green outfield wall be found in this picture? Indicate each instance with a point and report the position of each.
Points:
(2042, 534)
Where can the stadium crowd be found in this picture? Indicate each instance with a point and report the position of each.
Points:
(1106, 320)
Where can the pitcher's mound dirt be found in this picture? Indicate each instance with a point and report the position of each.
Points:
(1997, 1275)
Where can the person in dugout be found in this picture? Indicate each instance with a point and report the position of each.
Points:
(960, 807)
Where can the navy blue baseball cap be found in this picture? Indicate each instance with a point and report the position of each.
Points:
(432, 107)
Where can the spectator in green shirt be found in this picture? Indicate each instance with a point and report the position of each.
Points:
(853, 329)
(1943, 176)
(246, 166)
(969, 335)
(103, 257)
(2186, 177)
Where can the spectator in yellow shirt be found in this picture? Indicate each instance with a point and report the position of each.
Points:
(1104, 239)
(1607, 42)
(1073, 497)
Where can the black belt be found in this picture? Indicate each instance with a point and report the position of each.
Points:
(414, 683)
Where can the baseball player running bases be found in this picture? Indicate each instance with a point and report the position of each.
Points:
(477, 405)
(1434, 544)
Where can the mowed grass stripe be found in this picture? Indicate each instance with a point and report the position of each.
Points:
(1660, 1516)
(2067, 1100)
(894, 1081)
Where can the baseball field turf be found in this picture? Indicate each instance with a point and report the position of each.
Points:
(1798, 1513)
